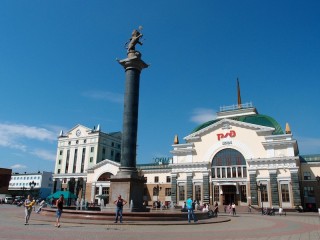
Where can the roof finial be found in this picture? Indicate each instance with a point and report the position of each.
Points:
(239, 95)
(288, 130)
(176, 139)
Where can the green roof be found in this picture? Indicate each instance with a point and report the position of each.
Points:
(257, 119)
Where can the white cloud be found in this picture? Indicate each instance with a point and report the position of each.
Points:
(104, 95)
(44, 154)
(13, 135)
(202, 115)
(18, 166)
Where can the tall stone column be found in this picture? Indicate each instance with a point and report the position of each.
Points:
(127, 182)
(133, 66)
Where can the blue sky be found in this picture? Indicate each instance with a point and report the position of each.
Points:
(58, 68)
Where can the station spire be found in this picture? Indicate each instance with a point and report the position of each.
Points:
(239, 95)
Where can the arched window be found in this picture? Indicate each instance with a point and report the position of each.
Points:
(105, 177)
(228, 163)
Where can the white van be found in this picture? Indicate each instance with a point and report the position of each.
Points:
(8, 200)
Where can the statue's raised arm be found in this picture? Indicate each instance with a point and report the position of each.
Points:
(135, 38)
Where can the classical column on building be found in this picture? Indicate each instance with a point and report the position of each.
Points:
(206, 187)
(59, 184)
(174, 188)
(189, 185)
(295, 187)
(68, 184)
(75, 192)
(274, 187)
(253, 187)
(84, 186)
(93, 190)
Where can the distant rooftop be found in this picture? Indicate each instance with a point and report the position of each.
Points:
(310, 158)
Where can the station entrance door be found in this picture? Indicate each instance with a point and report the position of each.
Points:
(229, 194)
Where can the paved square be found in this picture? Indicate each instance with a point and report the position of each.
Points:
(244, 226)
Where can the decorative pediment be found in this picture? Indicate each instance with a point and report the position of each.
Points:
(103, 163)
(227, 124)
(80, 131)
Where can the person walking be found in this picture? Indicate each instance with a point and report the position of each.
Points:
(234, 209)
(119, 204)
(190, 208)
(27, 209)
(59, 205)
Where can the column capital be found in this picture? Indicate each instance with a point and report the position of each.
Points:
(133, 62)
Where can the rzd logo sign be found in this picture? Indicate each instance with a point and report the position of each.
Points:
(228, 134)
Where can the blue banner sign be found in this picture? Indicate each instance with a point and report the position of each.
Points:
(163, 160)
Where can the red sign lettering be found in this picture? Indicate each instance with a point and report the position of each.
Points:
(232, 134)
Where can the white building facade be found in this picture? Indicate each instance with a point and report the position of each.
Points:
(80, 149)
(241, 157)
(37, 184)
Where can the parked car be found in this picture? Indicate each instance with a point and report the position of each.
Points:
(8, 200)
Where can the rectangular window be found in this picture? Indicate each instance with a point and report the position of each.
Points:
(216, 193)
(61, 152)
(228, 172)
(285, 193)
(308, 192)
(156, 179)
(213, 172)
(197, 190)
(91, 159)
(181, 193)
(59, 161)
(92, 149)
(234, 172)
(264, 193)
(83, 159)
(67, 162)
(168, 179)
(168, 192)
(243, 196)
(97, 191)
(239, 172)
(223, 170)
(244, 172)
(105, 191)
(306, 176)
(156, 191)
(58, 171)
(218, 173)
(75, 160)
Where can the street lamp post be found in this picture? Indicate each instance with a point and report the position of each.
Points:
(23, 189)
(262, 189)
